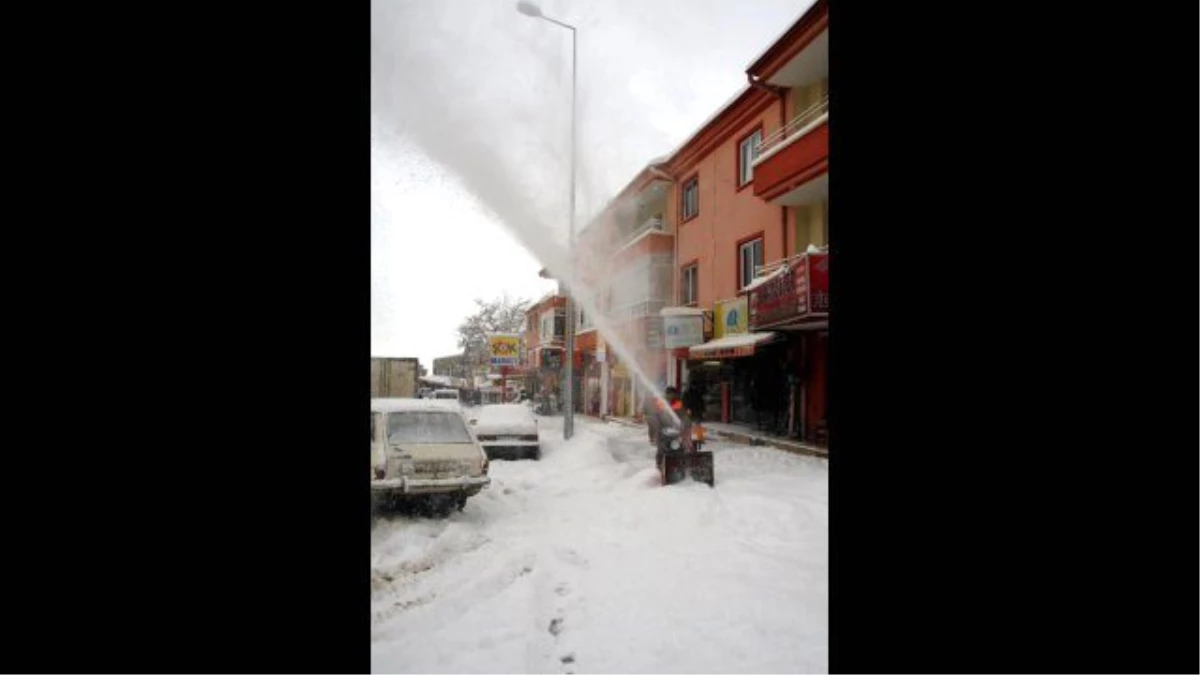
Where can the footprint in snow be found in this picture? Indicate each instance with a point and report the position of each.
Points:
(570, 556)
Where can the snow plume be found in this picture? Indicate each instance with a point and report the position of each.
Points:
(480, 90)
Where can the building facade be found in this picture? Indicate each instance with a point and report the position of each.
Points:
(711, 265)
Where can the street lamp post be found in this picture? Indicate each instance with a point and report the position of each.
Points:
(530, 9)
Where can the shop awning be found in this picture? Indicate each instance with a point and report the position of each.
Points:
(732, 346)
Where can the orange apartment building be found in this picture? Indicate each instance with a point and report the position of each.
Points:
(629, 267)
(707, 245)
(752, 201)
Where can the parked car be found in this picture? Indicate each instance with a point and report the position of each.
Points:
(446, 395)
(507, 430)
(423, 450)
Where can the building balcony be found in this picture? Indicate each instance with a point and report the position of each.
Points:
(637, 310)
(652, 224)
(792, 156)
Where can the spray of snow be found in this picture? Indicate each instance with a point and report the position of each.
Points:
(453, 115)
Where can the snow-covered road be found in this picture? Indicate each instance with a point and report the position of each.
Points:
(582, 563)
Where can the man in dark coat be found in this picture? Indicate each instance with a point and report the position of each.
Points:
(693, 399)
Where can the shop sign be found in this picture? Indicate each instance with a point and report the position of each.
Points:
(683, 330)
(654, 332)
(731, 318)
(801, 291)
(504, 349)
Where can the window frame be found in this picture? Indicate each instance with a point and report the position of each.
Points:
(739, 158)
(762, 257)
(694, 268)
(683, 191)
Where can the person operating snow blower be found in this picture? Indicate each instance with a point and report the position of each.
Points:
(679, 454)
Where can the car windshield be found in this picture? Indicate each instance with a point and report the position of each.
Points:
(447, 394)
(427, 427)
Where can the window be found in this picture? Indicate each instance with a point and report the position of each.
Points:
(427, 427)
(688, 291)
(747, 151)
(560, 323)
(691, 198)
(750, 258)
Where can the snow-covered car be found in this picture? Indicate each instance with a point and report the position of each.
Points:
(424, 450)
(507, 430)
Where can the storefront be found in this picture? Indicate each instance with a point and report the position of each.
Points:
(620, 390)
(730, 369)
(793, 302)
(545, 372)
(590, 365)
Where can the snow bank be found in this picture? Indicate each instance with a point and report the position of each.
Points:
(584, 557)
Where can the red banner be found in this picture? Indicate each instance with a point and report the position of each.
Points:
(800, 292)
(818, 280)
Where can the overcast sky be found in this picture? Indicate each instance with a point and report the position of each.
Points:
(470, 105)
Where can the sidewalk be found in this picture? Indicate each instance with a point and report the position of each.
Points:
(751, 436)
(738, 433)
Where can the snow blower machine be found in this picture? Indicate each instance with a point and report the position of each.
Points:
(681, 454)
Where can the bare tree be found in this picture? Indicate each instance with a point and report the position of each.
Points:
(502, 315)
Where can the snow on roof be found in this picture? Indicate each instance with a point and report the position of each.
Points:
(390, 405)
(508, 418)
(742, 341)
(762, 280)
(505, 412)
(682, 311)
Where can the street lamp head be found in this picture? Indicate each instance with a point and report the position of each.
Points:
(529, 9)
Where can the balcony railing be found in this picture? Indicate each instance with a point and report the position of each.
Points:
(637, 310)
(653, 224)
(797, 127)
(772, 267)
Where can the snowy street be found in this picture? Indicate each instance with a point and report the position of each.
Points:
(583, 563)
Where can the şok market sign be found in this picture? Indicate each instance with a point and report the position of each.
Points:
(504, 349)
